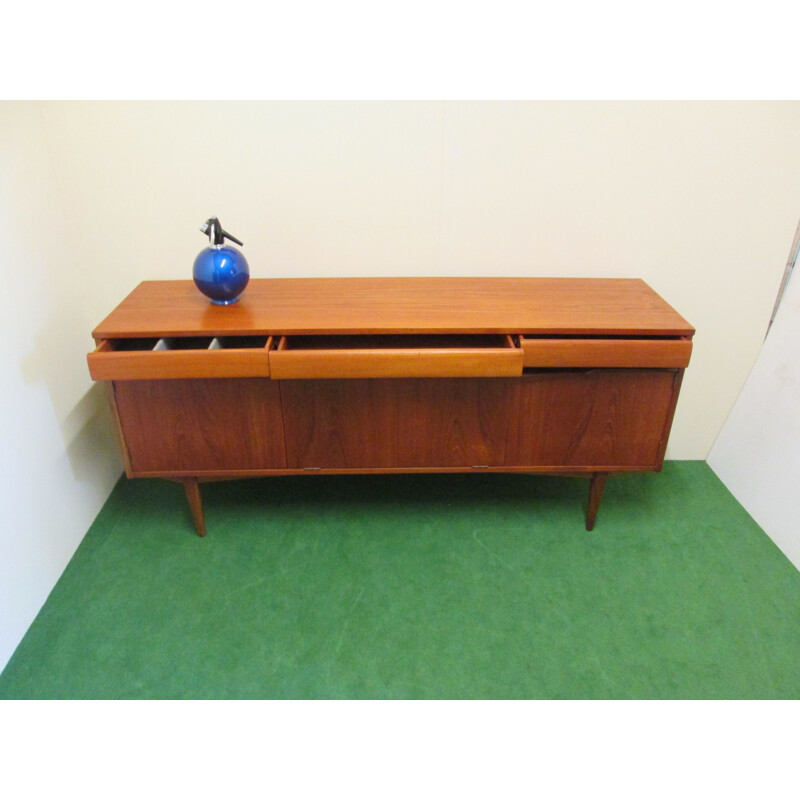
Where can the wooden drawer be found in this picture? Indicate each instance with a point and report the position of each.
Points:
(180, 357)
(395, 356)
(597, 352)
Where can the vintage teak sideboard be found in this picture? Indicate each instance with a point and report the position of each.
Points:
(353, 375)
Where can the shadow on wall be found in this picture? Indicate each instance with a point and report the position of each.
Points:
(95, 440)
(58, 362)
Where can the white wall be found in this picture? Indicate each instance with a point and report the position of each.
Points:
(699, 199)
(756, 454)
(58, 464)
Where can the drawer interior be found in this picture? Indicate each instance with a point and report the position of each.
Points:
(128, 345)
(397, 342)
(239, 342)
(177, 343)
(184, 343)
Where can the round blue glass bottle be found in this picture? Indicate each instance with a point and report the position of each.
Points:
(221, 273)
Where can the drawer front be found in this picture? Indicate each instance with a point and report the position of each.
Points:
(110, 362)
(587, 353)
(396, 361)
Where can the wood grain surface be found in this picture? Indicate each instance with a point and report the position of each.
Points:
(437, 422)
(394, 358)
(595, 418)
(606, 352)
(614, 306)
(190, 426)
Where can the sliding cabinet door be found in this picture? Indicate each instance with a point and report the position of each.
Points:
(592, 418)
(395, 423)
(201, 425)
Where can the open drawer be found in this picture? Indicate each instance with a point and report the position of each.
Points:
(395, 356)
(180, 357)
(644, 352)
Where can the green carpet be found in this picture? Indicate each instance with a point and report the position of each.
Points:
(415, 586)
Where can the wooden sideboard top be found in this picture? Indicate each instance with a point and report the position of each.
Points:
(576, 306)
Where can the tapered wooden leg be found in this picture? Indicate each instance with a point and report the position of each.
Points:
(595, 493)
(195, 503)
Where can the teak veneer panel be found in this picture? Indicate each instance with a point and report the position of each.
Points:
(613, 306)
(385, 423)
(397, 363)
(591, 419)
(203, 425)
(665, 353)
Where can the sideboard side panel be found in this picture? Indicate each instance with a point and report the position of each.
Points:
(196, 425)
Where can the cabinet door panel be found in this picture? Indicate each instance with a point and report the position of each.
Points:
(595, 418)
(201, 425)
(394, 423)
